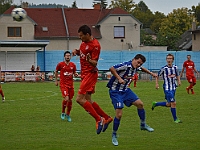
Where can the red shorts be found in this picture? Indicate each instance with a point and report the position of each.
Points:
(67, 92)
(88, 83)
(191, 79)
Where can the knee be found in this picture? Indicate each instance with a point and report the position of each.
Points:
(140, 105)
(173, 104)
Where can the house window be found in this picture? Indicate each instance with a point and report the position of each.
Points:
(14, 32)
(119, 31)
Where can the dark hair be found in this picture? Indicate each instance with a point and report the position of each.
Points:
(85, 29)
(170, 55)
(67, 52)
(141, 57)
(189, 55)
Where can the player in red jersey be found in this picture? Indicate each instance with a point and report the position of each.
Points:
(190, 68)
(134, 80)
(67, 70)
(1, 90)
(89, 52)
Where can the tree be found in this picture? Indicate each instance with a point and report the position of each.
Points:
(126, 5)
(103, 3)
(4, 5)
(158, 19)
(74, 5)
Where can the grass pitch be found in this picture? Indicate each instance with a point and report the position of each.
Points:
(30, 120)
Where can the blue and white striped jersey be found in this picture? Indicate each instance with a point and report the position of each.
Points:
(125, 70)
(169, 75)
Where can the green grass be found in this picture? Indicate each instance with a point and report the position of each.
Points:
(30, 119)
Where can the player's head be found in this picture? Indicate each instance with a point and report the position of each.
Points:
(169, 59)
(84, 33)
(189, 57)
(67, 56)
(138, 60)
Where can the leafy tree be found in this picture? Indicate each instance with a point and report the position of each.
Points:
(158, 19)
(103, 3)
(74, 5)
(126, 5)
(4, 5)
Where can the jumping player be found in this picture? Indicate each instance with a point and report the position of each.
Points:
(67, 70)
(89, 52)
(169, 74)
(121, 95)
(190, 68)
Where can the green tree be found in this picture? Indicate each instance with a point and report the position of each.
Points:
(103, 3)
(126, 5)
(4, 5)
(158, 19)
(74, 5)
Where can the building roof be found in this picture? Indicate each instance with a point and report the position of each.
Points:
(50, 22)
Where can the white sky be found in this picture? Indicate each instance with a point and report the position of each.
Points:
(164, 6)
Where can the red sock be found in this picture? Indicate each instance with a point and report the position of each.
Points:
(1, 92)
(69, 107)
(191, 86)
(135, 83)
(64, 103)
(99, 110)
(88, 107)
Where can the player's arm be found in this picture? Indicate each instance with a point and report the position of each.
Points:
(114, 72)
(56, 77)
(149, 72)
(75, 52)
(179, 80)
(196, 70)
(91, 61)
(181, 74)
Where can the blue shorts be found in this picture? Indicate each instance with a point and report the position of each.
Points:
(119, 98)
(170, 95)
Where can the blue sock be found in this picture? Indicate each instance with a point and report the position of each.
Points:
(173, 111)
(116, 124)
(141, 114)
(161, 104)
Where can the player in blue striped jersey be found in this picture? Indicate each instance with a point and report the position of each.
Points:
(121, 95)
(170, 76)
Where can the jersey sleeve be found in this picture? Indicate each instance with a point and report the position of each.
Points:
(121, 66)
(58, 67)
(176, 71)
(95, 52)
(160, 72)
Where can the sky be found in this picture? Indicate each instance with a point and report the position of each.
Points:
(164, 6)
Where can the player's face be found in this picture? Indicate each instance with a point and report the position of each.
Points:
(188, 58)
(169, 60)
(83, 37)
(67, 57)
(137, 63)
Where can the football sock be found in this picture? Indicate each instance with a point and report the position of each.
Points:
(63, 106)
(191, 86)
(69, 107)
(173, 111)
(141, 114)
(116, 124)
(88, 107)
(161, 104)
(1, 92)
(99, 111)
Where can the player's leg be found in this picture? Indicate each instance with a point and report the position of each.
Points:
(189, 78)
(163, 104)
(65, 96)
(69, 104)
(2, 94)
(118, 106)
(194, 83)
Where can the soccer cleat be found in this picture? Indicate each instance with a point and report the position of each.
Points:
(107, 122)
(178, 121)
(146, 127)
(192, 91)
(62, 116)
(187, 89)
(68, 118)
(99, 125)
(153, 105)
(114, 140)
(3, 99)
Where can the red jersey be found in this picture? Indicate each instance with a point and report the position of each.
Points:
(189, 66)
(66, 73)
(93, 48)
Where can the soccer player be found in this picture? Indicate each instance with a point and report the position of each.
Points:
(1, 90)
(89, 52)
(190, 68)
(169, 74)
(134, 79)
(121, 95)
(67, 70)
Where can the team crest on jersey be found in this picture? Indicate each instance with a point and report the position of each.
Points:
(71, 68)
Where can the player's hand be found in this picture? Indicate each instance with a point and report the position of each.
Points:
(74, 52)
(154, 75)
(121, 81)
(56, 83)
(88, 57)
